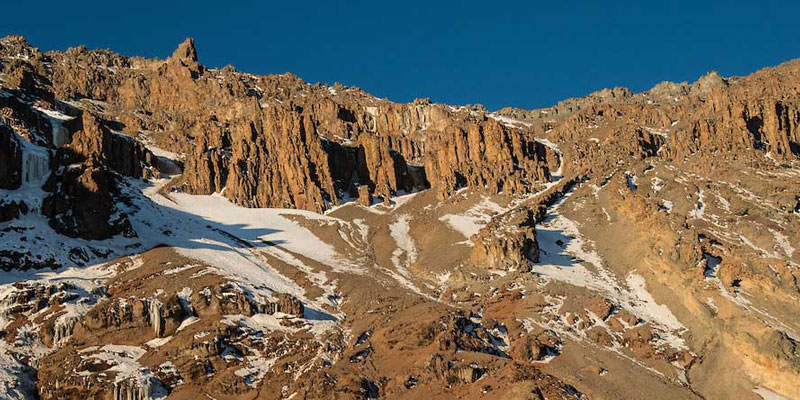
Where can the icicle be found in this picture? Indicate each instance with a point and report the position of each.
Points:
(35, 165)
(60, 134)
(155, 317)
(63, 329)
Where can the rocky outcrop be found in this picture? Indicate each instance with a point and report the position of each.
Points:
(146, 387)
(287, 304)
(10, 209)
(484, 154)
(121, 153)
(10, 159)
(507, 242)
(162, 318)
(229, 299)
(537, 346)
(460, 333)
(82, 203)
(84, 190)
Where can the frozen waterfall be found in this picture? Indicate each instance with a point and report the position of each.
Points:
(60, 134)
(35, 165)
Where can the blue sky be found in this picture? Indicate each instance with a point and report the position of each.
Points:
(524, 54)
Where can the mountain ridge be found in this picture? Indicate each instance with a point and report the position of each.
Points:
(170, 229)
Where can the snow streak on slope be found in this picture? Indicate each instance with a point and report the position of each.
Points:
(472, 220)
(265, 224)
(767, 394)
(405, 245)
(404, 255)
(569, 264)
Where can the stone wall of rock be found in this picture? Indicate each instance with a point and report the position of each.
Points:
(485, 155)
(508, 241)
(10, 159)
(728, 124)
(83, 190)
(275, 141)
(82, 203)
(712, 119)
(119, 152)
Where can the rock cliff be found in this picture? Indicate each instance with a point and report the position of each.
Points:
(275, 141)
(624, 243)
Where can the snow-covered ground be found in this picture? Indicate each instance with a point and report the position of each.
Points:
(471, 221)
(258, 225)
(231, 239)
(227, 237)
(767, 394)
(577, 263)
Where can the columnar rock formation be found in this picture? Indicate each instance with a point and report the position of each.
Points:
(507, 242)
(275, 141)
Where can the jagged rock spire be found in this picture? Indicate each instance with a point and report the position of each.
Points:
(186, 52)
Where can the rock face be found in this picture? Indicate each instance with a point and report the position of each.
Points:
(83, 196)
(275, 141)
(10, 159)
(507, 242)
(730, 119)
(121, 153)
(82, 204)
(485, 155)
(10, 209)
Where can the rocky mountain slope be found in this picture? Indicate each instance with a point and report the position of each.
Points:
(169, 230)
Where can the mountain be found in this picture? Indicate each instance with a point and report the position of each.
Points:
(172, 231)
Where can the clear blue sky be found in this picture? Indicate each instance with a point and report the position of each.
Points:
(495, 53)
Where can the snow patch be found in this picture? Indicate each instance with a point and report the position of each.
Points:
(568, 263)
(472, 220)
(767, 394)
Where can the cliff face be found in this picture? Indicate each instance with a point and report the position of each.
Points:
(10, 159)
(275, 141)
(712, 119)
(618, 235)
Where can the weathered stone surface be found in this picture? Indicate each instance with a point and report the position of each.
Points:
(507, 242)
(275, 141)
(121, 153)
(10, 159)
(82, 203)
